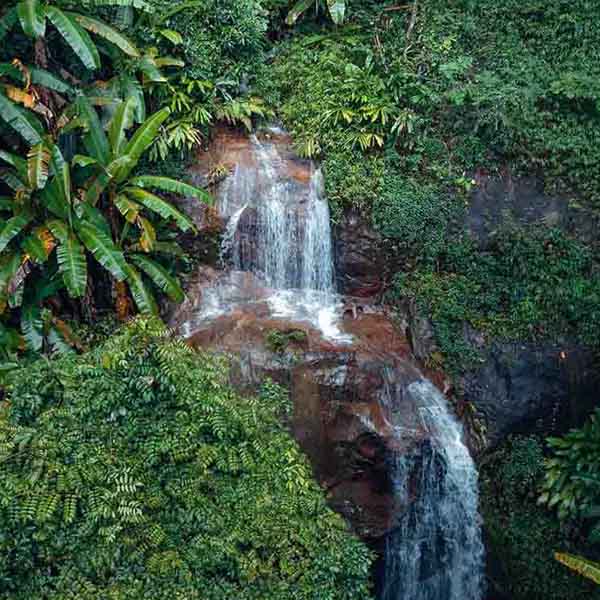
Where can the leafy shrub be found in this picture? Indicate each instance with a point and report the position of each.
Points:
(572, 475)
(530, 284)
(135, 472)
(522, 536)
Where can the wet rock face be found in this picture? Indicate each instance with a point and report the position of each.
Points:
(523, 388)
(361, 264)
(339, 417)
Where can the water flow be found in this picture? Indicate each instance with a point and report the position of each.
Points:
(436, 551)
(293, 232)
(279, 229)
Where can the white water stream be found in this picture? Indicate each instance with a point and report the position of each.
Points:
(278, 234)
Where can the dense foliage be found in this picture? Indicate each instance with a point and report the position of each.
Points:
(528, 284)
(572, 479)
(522, 537)
(406, 103)
(135, 472)
(75, 203)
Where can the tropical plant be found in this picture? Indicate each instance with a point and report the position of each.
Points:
(134, 471)
(93, 204)
(572, 479)
(335, 8)
(75, 196)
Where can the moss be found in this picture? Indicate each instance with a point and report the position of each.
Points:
(278, 341)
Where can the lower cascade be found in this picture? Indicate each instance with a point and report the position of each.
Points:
(436, 551)
(278, 260)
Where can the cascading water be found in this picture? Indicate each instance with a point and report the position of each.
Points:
(436, 551)
(278, 246)
(279, 230)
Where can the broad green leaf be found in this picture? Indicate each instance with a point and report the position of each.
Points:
(169, 61)
(337, 10)
(20, 164)
(54, 200)
(81, 160)
(94, 216)
(32, 19)
(142, 296)
(150, 70)
(24, 123)
(166, 184)
(95, 140)
(96, 187)
(128, 208)
(120, 168)
(6, 203)
(72, 265)
(60, 168)
(75, 36)
(131, 88)
(160, 276)
(11, 228)
(103, 248)
(584, 567)
(38, 160)
(122, 121)
(159, 206)
(107, 32)
(297, 10)
(50, 81)
(145, 135)
(173, 36)
(60, 230)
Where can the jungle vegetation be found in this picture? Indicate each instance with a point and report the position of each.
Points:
(408, 107)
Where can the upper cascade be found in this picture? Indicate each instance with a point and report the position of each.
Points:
(289, 221)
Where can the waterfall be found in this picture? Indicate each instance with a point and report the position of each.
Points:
(293, 236)
(436, 551)
(278, 229)
(278, 252)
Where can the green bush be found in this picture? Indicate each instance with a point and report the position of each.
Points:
(572, 475)
(135, 472)
(529, 284)
(522, 536)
